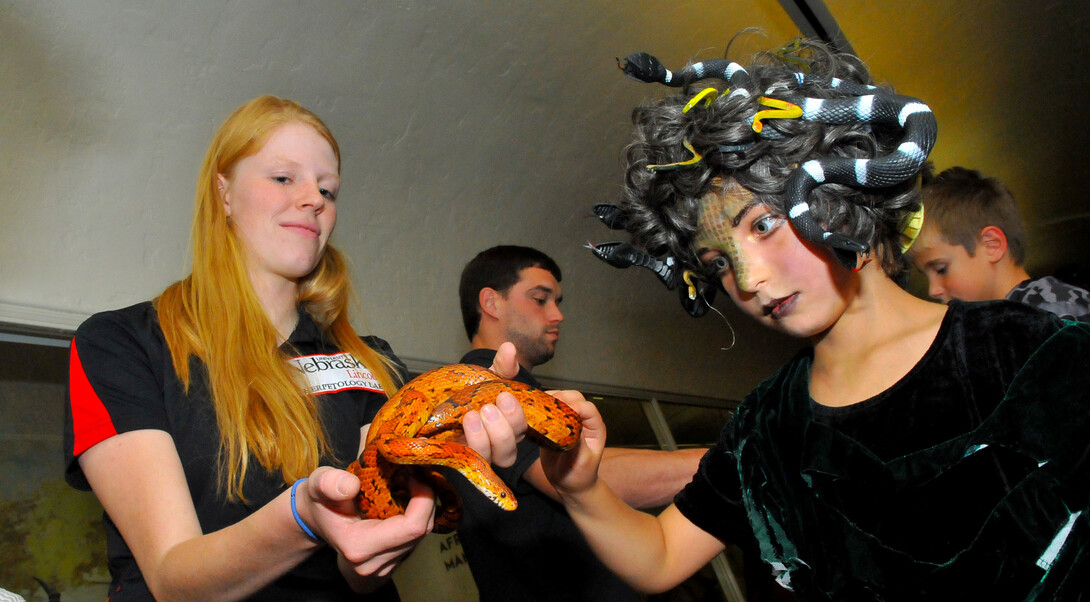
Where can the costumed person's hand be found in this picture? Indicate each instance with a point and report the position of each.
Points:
(576, 470)
(371, 549)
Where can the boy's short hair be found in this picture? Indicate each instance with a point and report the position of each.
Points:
(961, 202)
(496, 268)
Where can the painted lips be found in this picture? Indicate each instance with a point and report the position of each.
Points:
(779, 308)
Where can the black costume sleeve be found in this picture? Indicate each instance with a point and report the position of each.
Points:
(717, 478)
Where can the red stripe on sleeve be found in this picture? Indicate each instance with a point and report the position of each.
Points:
(91, 422)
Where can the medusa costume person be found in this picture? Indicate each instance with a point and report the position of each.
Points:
(969, 478)
(856, 104)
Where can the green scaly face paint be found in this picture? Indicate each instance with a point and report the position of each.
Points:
(721, 210)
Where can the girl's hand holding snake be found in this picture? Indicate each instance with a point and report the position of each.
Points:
(575, 471)
(368, 550)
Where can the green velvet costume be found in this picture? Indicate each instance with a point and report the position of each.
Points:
(967, 479)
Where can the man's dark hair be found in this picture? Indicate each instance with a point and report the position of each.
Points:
(496, 268)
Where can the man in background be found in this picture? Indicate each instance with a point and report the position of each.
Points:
(513, 293)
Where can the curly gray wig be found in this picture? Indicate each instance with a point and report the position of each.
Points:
(660, 207)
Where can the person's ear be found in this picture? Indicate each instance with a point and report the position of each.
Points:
(487, 301)
(993, 243)
(221, 182)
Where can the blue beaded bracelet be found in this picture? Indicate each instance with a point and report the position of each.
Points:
(295, 512)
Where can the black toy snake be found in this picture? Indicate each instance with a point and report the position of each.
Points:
(865, 105)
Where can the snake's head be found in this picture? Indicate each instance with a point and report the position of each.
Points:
(643, 67)
(616, 254)
(611, 215)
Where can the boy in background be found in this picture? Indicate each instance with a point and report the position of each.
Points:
(973, 247)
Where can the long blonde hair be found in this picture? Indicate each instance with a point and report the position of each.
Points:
(262, 408)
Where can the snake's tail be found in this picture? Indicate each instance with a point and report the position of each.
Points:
(383, 493)
(552, 422)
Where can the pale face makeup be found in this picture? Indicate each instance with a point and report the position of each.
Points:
(769, 272)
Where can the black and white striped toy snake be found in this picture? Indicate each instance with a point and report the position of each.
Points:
(864, 105)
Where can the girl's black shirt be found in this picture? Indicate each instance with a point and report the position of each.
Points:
(122, 379)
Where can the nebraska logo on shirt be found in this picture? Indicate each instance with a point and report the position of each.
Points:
(332, 373)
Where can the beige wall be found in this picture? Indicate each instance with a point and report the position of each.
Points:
(463, 125)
